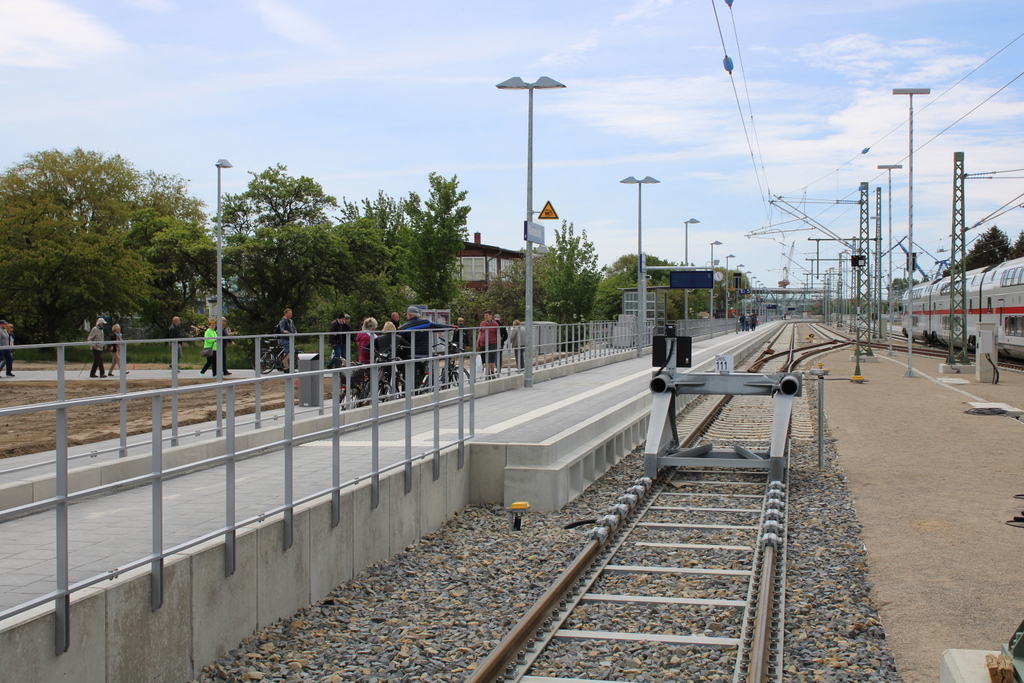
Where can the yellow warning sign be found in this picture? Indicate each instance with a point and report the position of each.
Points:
(548, 212)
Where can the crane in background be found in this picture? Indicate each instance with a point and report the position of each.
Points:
(786, 260)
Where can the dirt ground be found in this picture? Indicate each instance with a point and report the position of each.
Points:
(35, 432)
(933, 487)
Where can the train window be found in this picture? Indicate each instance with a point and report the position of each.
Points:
(989, 304)
(945, 322)
(944, 289)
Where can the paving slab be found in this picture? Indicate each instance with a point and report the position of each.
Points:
(933, 486)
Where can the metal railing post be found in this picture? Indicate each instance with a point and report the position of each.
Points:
(156, 567)
(336, 445)
(289, 417)
(175, 347)
(257, 389)
(435, 371)
(62, 604)
(229, 487)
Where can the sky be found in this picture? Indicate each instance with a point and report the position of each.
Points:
(369, 97)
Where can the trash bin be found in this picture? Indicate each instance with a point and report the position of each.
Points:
(309, 386)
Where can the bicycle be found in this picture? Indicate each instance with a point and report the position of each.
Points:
(272, 357)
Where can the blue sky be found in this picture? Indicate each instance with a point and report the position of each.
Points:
(374, 96)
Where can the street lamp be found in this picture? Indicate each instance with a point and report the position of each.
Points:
(912, 259)
(726, 280)
(888, 295)
(712, 304)
(517, 83)
(221, 165)
(641, 279)
(686, 257)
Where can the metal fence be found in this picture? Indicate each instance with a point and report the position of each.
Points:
(448, 377)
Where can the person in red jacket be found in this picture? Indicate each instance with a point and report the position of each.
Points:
(487, 342)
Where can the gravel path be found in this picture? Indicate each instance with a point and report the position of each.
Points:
(434, 611)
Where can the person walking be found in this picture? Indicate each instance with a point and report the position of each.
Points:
(502, 340)
(517, 343)
(174, 333)
(753, 322)
(7, 339)
(339, 340)
(487, 342)
(96, 337)
(224, 332)
(116, 350)
(284, 328)
(210, 348)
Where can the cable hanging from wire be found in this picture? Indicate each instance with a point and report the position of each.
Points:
(728, 64)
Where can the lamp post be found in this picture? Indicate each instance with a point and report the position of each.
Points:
(517, 83)
(641, 279)
(888, 295)
(711, 306)
(686, 257)
(221, 165)
(912, 259)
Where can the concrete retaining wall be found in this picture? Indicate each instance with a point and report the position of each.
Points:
(117, 638)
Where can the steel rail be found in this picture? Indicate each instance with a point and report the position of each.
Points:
(504, 656)
(760, 648)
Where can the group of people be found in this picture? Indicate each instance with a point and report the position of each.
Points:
(406, 338)
(100, 343)
(748, 323)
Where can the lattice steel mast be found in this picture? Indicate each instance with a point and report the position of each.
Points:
(957, 270)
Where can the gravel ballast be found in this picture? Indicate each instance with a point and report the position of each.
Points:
(434, 611)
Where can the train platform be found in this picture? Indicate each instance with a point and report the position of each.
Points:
(933, 487)
(110, 530)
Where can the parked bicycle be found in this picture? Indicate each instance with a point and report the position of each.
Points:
(272, 357)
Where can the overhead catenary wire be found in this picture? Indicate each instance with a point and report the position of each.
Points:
(727, 62)
(930, 103)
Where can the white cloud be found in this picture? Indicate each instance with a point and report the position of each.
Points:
(289, 23)
(50, 34)
(571, 53)
(151, 5)
(643, 8)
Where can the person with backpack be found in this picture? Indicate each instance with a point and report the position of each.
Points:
(286, 328)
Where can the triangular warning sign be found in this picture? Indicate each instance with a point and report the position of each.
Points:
(548, 212)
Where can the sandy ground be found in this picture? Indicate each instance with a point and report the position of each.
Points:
(35, 432)
(933, 487)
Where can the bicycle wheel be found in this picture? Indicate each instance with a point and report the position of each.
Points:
(267, 362)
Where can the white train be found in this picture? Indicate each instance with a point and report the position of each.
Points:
(994, 294)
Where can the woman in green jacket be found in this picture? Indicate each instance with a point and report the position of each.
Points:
(210, 347)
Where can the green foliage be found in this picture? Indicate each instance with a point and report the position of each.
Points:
(64, 256)
(569, 277)
(183, 260)
(1017, 251)
(993, 247)
(439, 231)
(282, 251)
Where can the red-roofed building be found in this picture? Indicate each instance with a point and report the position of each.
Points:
(482, 263)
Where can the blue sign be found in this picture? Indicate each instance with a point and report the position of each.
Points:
(691, 279)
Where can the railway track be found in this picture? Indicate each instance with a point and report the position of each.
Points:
(683, 578)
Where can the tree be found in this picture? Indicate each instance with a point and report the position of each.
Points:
(570, 277)
(64, 256)
(438, 234)
(1018, 247)
(388, 216)
(282, 250)
(183, 261)
(991, 248)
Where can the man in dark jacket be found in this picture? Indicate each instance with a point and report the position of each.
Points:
(339, 340)
(174, 332)
(415, 329)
